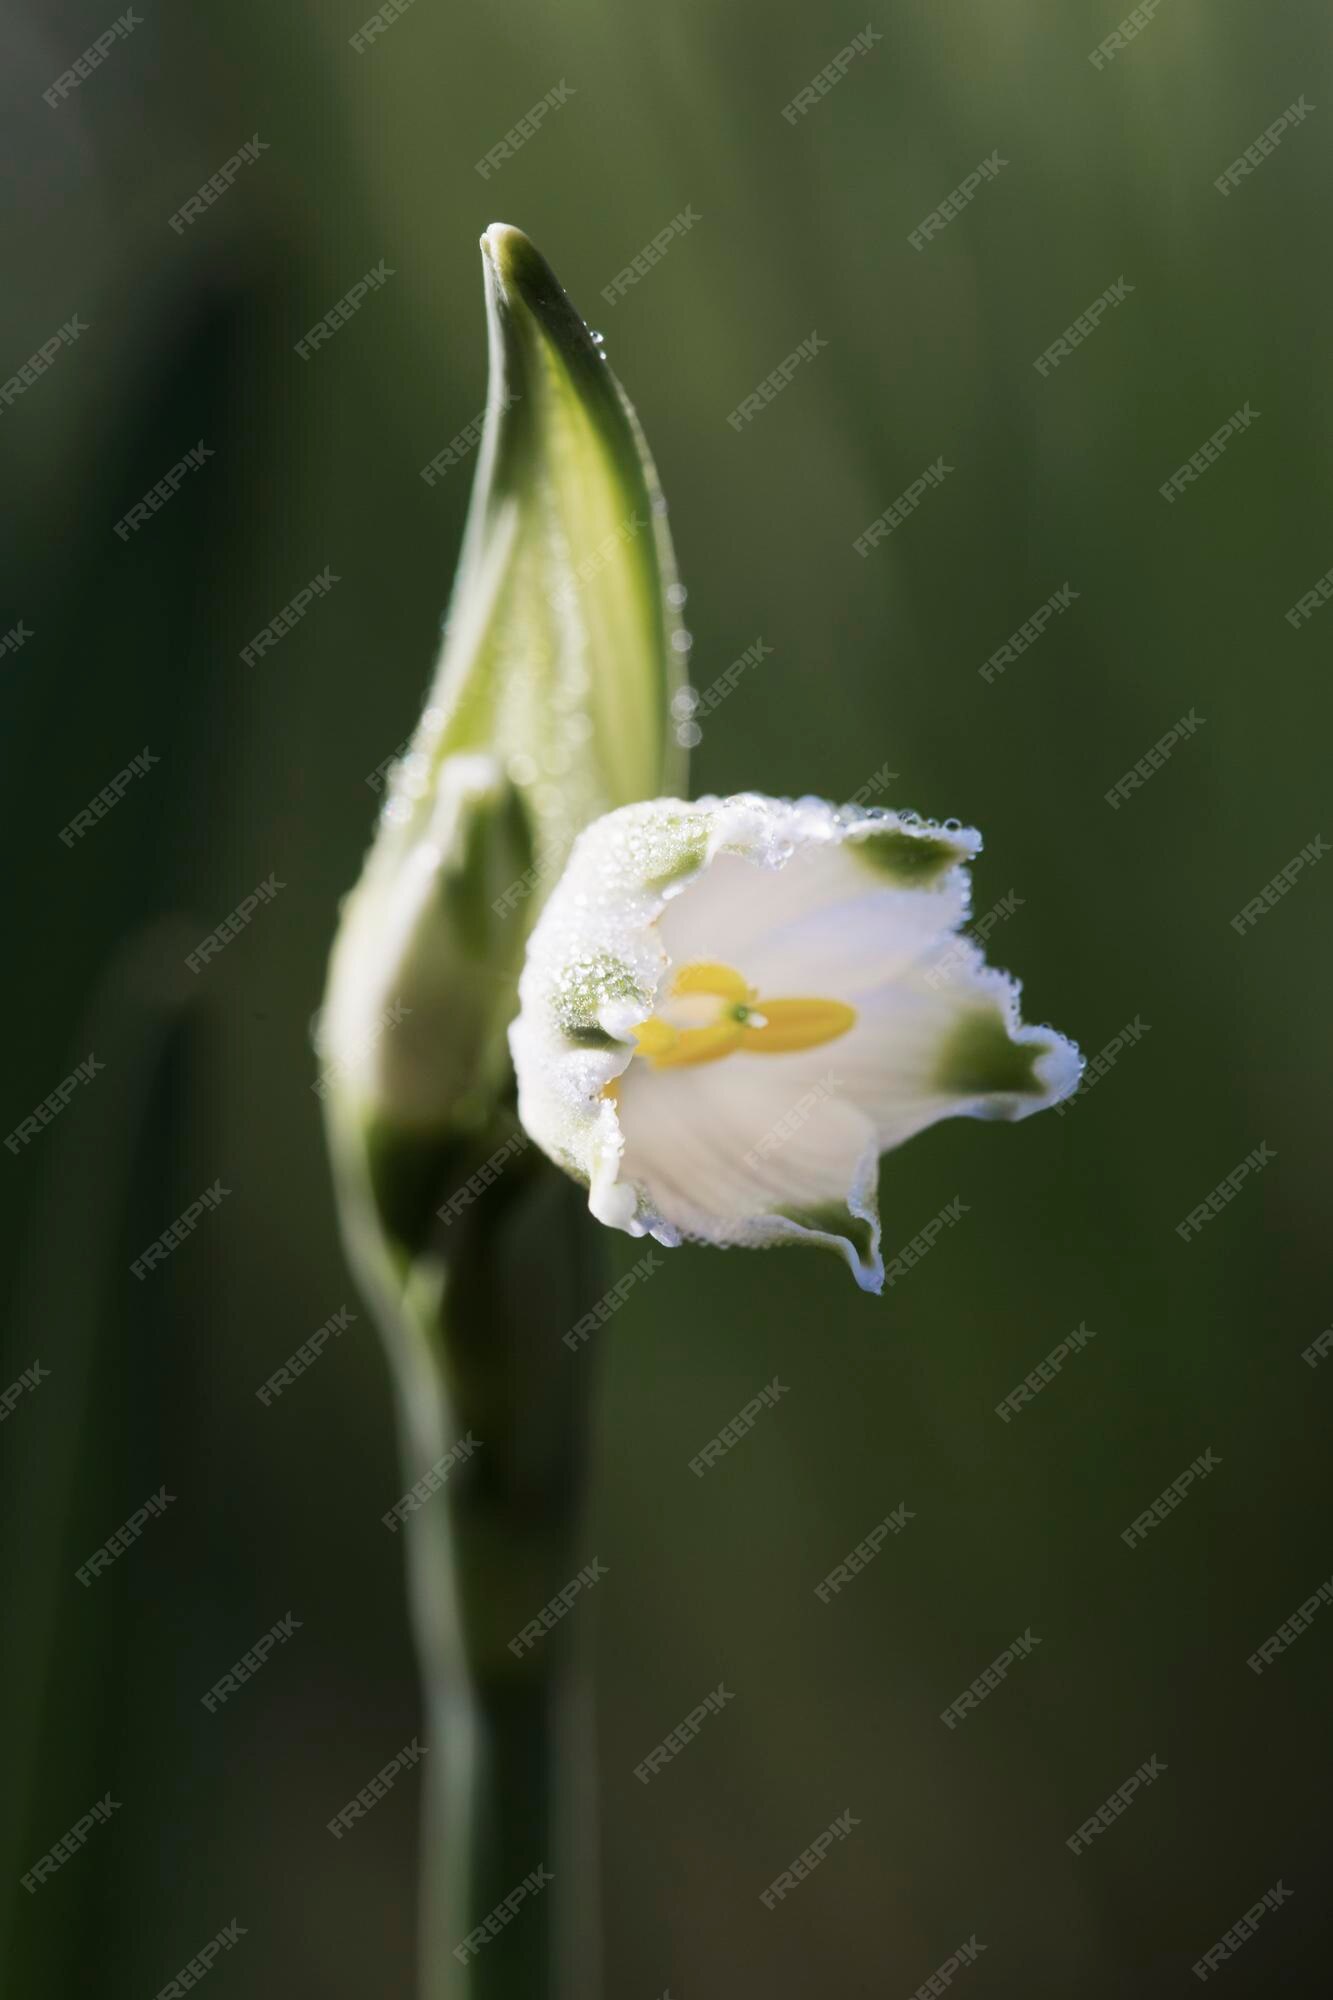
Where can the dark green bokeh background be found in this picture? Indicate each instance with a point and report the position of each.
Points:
(802, 228)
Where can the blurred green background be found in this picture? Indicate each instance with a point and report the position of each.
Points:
(803, 226)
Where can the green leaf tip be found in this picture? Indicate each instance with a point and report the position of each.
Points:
(550, 706)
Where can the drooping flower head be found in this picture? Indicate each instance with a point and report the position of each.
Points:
(731, 1008)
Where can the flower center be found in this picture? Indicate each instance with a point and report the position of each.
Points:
(711, 1012)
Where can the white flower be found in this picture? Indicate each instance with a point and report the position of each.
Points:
(731, 1008)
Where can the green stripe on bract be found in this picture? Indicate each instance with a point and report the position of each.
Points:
(833, 1218)
(914, 860)
(980, 1059)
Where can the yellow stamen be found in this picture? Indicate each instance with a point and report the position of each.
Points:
(743, 1021)
(654, 1038)
(701, 977)
(697, 1045)
(797, 1024)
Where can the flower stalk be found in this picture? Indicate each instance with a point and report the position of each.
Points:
(550, 706)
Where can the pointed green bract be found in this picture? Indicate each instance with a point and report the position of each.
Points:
(560, 647)
(549, 707)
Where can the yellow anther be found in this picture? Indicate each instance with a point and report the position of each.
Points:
(796, 1024)
(702, 977)
(742, 1021)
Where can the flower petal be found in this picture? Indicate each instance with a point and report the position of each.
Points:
(871, 1018)
(721, 1156)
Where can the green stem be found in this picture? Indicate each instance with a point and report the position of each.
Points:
(477, 1353)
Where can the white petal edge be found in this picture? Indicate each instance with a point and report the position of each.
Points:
(598, 965)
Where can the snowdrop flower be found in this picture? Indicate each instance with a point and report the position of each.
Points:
(731, 1008)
